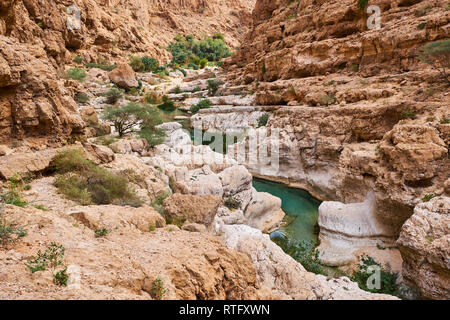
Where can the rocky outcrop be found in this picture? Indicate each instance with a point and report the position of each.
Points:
(283, 275)
(126, 262)
(199, 209)
(354, 122)
(346, 227)
(197, 170)
(424, 243)
(39, 37)
(33, 100)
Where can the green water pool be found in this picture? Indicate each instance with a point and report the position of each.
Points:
(300, 207)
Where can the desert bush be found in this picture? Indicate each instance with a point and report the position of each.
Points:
(83, 181)
(102, 232)
(157, 203)
(10, 232)
(81, 97)
(150, 64)
(213, 86)
(158, 289)
(262, 121)
(203, 104)
(78, 59)
(437, 54)
(76, 74)
(52, 258)
(15, 185)
(102, 66)
(167, 104)
(137, 64)
(302, 252)
(187, 51)
(113, 95)
(152, 135)
(232, 203)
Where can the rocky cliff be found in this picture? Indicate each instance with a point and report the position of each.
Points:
(38, 37)
(359, 112)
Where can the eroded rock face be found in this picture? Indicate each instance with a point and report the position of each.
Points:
(424, 243)
(346, 227)
(33, 100)
(38, 37)
(124, 264)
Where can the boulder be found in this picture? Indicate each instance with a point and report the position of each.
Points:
(199, 209)
(124, 76)
(264, 212)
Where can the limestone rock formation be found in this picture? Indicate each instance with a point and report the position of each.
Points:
(125, 263)
(350, 116)
(192, 208)
(33, 100)
(424, 243)
(287, 278)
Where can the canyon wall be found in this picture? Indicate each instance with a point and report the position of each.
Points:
(35, 43)
(359, 113)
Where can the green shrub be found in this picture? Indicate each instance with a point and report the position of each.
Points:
(187, 51)
(302, 252)
(362, 4)
(150, 64)
(177, 90)
(78, 59)
(83, 181)
(158, 289)
(157, 203)
(105, 67)
(203, 104)
(202, 63)
(113, 95)
(16, 185)
(10, 233)
(167, 105)
(102, 232)
(262, 121)
(197, 89)
(232, 203)
(437, 54)
(53, 257)
(76, 74)
(152, 135)
(408, 114)
(428, 197)
(137, 64)
(61, 278)
(445, 120)
(362, 274)
(81, 97)
(213, 86)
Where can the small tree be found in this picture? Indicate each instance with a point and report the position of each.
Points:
(132, 118)
(437, 54)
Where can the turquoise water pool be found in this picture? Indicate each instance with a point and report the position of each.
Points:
(300, 207)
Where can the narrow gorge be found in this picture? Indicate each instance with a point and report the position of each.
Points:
(237, 150)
